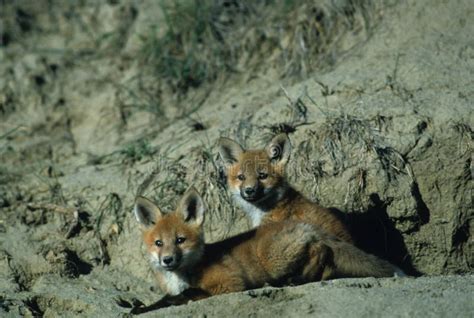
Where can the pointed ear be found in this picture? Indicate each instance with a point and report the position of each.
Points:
(279, 149)
(146, 212)
(229, 150)
(192, 207)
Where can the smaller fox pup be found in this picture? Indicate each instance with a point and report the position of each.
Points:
(276, 253)
(257, 182)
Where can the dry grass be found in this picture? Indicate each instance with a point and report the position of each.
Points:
(348, 143)
(222, 218)
(364, 135)
(466, 137)
(206, 39)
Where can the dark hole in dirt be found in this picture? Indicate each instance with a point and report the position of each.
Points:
(5, 39)
(134, 12)
(282, 128)
(462, 234)
(192, 81)
(76, 265)
(53, 68)
(85, 217)
(24, 20)
(375, 233)
(421, 127)
(123, 303)
(129, 303)
(39, 80)
(4, 203)
(33, 307)
(318, 14)
(197, 126)
(422, 208)
(60, 102)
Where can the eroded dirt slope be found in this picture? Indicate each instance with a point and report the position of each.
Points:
(385, 136)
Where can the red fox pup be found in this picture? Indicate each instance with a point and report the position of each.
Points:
(257, 182)
(276, 253)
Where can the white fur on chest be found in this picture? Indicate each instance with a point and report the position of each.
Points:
(174, 283)
(255, 214)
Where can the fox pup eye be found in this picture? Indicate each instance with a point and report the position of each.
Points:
(180, 240)
(241, 177)
(262, 175)
(158, 243)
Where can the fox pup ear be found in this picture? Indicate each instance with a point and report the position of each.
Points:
(146, 212)
(279, 149)
(229, 150)
(192, 207)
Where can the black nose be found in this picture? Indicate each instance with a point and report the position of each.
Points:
(168, 260)
(249, 191)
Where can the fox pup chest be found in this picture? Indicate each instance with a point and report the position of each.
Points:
(172, 283)
(256, 215)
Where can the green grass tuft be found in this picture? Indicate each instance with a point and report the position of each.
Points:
(138, 150)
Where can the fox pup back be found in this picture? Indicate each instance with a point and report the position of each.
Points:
(257, 182)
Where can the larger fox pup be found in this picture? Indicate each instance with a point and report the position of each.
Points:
(276, 253)
(257, 182)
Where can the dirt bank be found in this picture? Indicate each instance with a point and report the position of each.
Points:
(383, 132)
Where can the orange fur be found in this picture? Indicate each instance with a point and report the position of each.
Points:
(275, 253)
(275, 200)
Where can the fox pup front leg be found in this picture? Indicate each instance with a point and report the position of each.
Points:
(192, 294)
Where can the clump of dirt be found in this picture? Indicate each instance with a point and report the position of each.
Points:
(375, 95)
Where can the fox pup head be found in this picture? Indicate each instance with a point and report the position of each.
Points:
(255, 174)
(174, 240)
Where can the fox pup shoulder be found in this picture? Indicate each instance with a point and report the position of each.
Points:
(276, 253)
(256, 179)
